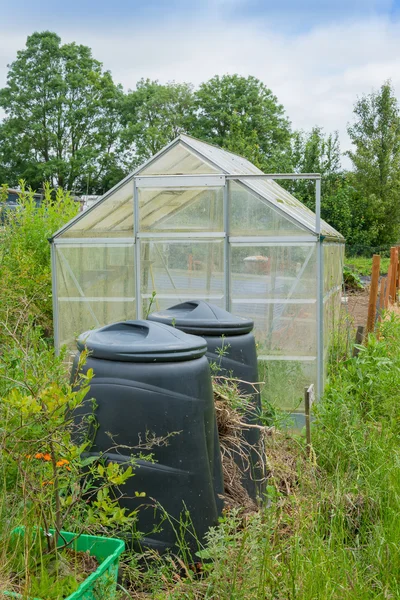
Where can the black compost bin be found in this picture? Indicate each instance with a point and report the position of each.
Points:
(233, 335)
(150, 378)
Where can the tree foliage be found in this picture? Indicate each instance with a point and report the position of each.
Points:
(68, 124)
(375, 135)
(317, 152)
(242, 115)
(154, 114)
(62, 117)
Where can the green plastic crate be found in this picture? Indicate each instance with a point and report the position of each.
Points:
(102, 584)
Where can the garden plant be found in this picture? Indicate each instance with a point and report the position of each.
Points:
(328, 527)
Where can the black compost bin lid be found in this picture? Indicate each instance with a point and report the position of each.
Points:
(141, 341)
(202, 318)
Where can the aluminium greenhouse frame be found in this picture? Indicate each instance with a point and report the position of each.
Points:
(184, 180)
(222, 180)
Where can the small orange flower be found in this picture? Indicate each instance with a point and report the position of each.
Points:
(46, 457)
(47, 483)
(39, 455)
(62, 462)
(28, 456)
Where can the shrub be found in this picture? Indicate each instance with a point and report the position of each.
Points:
(47, 482)
(351, 279)
(25, 266)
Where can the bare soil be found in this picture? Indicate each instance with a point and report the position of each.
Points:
(357, 307)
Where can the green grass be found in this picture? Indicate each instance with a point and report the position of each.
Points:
(332, 529)
(363, 266)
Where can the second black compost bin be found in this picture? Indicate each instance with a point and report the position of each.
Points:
(231, 346)
(150, 378)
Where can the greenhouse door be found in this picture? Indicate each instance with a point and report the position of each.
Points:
(180, 240)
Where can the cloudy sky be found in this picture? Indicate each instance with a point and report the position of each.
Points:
(317, 56)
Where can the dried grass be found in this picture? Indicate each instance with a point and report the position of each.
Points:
(287, 462)
(230, 407)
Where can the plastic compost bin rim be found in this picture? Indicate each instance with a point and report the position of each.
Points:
(202, 318)
(201, 329)
(166, 344)
(219, 331)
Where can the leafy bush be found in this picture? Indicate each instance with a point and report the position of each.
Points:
(351, 279)
(47, 483)
(25, 265)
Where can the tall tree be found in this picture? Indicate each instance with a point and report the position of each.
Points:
(375, 135)
(154, 114)
(62, 116)
(244, 143)
(317, 152)
(242, 115)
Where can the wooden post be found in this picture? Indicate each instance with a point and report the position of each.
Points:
(393, 263)
(373, 293)
(398, 267)
(381, 301)
(388, 282)
(308, 401)
(360, 334)
(382, 297)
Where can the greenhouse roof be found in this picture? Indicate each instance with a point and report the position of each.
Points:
(187, 155)
(234, 164)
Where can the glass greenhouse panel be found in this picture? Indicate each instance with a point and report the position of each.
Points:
(179, 160)
(80, 316)
(110, 217)
(180, 270)
(250, 215)
(332, 305)
(95, 286)
(333, 266)
(273, 271)
(284, 382)
(333, 258)
(281, 328)
(181, 210)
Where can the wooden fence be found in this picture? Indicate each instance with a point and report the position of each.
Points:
(387, 290)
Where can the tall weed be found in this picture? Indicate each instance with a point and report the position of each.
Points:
(331, 526)
(25, 266)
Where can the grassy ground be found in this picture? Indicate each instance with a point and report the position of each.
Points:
(363, 266)
(331, 528)
(330, 525)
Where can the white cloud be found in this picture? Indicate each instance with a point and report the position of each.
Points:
(316, 75)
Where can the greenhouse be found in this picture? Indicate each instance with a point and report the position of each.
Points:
(198, 222)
